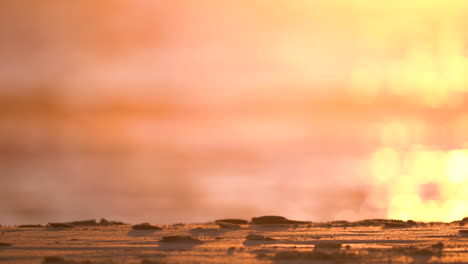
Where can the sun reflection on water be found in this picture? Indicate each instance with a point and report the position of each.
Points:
(423, 184)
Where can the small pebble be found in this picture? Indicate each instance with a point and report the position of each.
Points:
(60, 225)
(438, 245)
(233, 221)
(145, 226)
(30, 226)
(258, 237)
(183, 239)
(53, 259)
(228, 225)
(90, 222)
(327, 245)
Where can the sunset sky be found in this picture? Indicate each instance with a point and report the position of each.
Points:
(185, 111)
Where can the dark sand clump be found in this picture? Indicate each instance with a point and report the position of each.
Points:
(2, 244)
(61, 260)
(228, 225)
(93, 222)
(464, 232)
(60, 225)
(414, 251)
(90, 222)
(145, 226)
(230, 250)
(180, 239)
(53, 259)
(387, 223)
(233, 221)
(106, 222)
(439, 245)
(340, 223)
(201, 229)
(460, 223)
(147, 261)
(275, 220)
(30, 226)
(313, 256)
(258, 237)
(327, 245)
(397, 225)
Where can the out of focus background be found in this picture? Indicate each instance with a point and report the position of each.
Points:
(188, 111)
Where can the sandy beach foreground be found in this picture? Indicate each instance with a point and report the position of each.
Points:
(261, 240)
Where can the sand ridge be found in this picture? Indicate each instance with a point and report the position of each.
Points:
(368, 241)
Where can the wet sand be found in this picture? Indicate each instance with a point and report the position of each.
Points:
(370, 241)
